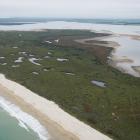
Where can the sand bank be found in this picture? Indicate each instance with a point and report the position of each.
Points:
(101, 41)
(135, 37)
(125, 54)
(60, 125)
(136, 68)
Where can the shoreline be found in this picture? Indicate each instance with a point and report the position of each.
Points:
(113, 60)
(109, 44)
(60, 127)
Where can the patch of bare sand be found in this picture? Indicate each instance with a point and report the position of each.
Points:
(136, 68)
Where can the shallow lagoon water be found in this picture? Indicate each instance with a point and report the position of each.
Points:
(127, 54)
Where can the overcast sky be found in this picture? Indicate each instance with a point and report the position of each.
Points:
(70, 8)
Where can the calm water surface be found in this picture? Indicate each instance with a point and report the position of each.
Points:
(128, 49)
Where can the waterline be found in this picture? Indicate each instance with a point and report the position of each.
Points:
(25, 120)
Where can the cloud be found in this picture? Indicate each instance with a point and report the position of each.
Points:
(70, 8)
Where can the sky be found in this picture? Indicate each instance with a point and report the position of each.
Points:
(70, 8)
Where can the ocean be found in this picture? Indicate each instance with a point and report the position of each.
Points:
(18, 125)
(10, 128)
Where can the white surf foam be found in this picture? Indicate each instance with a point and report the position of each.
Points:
(25, 120)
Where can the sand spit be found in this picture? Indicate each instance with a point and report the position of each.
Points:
(123, 59)
(135, 37)
(56, 120)
(99, 41)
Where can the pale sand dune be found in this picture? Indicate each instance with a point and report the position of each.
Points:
(54, 118)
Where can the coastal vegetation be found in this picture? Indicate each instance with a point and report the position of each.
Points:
(52, 64)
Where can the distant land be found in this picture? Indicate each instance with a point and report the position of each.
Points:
(19, 21)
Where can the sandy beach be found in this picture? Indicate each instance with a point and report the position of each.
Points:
(59, 124)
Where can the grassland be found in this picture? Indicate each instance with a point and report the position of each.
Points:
(114, 110)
